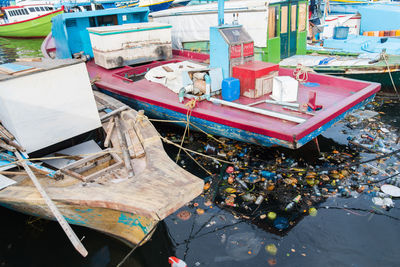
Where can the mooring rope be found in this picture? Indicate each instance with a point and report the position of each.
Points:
(191, 105)
(384, 56)
(301, 73)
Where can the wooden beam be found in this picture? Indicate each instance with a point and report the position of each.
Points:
(53, 208)
(114, 112)
(125, 153)
(109, 130)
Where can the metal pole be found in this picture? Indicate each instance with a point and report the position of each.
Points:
(258, 110)
(221, 12)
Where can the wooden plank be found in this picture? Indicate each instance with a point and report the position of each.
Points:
(73, 174)
(114, 112)
(129, 144)
(109, 130)
(53, 208)
(125, 153)
(29, 59)
(6, 133)
(137, 145)
(11, 68)
(6, 146)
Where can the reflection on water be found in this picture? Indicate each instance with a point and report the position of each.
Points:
(10, 48)
(348, 230)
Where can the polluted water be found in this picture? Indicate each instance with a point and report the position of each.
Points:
(273, 190)
(260, 206)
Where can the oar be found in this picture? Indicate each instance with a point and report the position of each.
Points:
(61, 220)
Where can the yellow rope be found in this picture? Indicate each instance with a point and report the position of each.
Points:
(191, 124)
(191, 105)
(195, 152)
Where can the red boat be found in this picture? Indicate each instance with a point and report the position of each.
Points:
(252, 120)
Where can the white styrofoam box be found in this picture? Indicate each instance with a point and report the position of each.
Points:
(284, 89)
(133, 43)
(45, 108)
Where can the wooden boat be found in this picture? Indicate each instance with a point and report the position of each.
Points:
(27, 21)
(267, 124)
(98, 189)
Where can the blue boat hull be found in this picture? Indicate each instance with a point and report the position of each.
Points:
(160, 6)
(226, 131)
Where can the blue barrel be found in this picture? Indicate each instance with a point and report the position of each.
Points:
(230, 89)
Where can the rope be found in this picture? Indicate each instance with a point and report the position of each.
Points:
(301, 72)
(195, 152)
(384, 56)
(191, 105)
(193, 125)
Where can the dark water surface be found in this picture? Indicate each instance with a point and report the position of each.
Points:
(344, 233)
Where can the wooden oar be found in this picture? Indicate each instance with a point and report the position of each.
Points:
(57, 214)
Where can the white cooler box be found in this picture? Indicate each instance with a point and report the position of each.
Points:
(128, 44)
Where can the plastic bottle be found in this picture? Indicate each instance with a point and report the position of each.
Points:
(259, 199)
(243, 184)
(294, 201)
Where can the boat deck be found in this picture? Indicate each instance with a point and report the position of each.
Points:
(336, 95)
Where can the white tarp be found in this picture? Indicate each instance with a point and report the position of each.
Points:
(192, 23)
(175, 79)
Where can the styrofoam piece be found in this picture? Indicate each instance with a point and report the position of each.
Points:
(284, 89)
(392, 190)
(85, 148)
(5, 182)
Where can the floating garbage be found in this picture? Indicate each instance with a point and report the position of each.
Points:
(281, 223)
(271, 249)
(184, 215)
(313, 211)
(391, 190)
(275, 188)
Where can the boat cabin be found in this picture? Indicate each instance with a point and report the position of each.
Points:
(279, 28)
(70, 29)
(12, 14)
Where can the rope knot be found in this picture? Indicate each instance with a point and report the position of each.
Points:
(301, 72)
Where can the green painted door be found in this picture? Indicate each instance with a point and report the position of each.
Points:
(292, 28)
(284, 30)
(273, 53)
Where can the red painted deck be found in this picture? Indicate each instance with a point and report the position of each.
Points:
(336, 95)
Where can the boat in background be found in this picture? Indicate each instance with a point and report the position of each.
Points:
(105, 166)
(254, 117)
(27, 21)
(153, 5)
(179, 3)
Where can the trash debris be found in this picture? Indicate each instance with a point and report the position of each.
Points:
(184, 215)
(391, 190)
(271, 249)
(175, 262)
